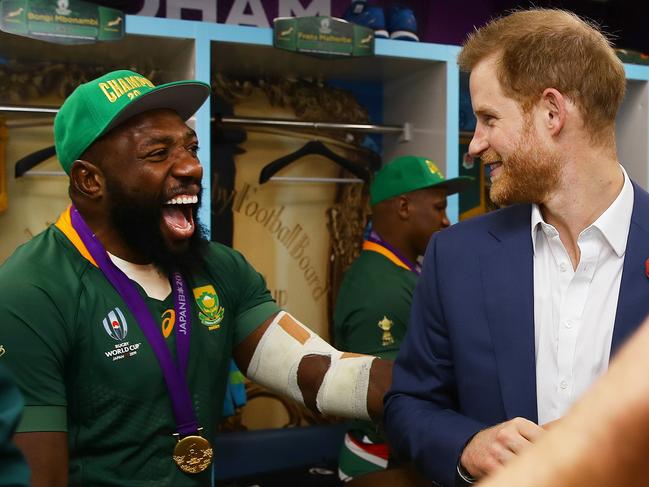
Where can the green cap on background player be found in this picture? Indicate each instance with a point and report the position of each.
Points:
(410, 173)
(99, 105)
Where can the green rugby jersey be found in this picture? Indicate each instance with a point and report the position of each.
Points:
(13, 469)
(371, 317)
(373, 306)
(85, 367)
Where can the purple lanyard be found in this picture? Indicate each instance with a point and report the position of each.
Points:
(414, 267)
(174, 375)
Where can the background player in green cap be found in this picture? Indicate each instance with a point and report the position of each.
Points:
(119, 321)
(408, 198)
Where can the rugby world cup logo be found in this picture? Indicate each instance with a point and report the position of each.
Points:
(115, 324)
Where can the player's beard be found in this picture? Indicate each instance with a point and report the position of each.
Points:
(528, 175)
(137, 218)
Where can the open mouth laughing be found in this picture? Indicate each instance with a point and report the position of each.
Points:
(178, 216)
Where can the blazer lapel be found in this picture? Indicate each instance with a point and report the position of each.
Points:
(508, 282)
(633, 300)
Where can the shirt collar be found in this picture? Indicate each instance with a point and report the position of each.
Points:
(537, 222)
(615, 221)
(613, 224)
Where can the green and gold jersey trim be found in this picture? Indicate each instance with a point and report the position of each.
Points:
(64, 223)
(43, 418)
(380, 249)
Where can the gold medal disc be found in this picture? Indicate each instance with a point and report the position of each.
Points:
(193, 454)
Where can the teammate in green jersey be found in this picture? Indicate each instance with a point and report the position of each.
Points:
(408, 198)
(119, 321)
(13, 469)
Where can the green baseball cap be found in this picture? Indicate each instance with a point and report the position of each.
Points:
(409, 173)
(99, 105)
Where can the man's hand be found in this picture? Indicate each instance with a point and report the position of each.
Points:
(548, 426)
(495, 446)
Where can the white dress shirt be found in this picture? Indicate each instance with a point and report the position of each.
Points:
(574, 311)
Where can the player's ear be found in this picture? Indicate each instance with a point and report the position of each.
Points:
(554, 108)
(403, 206)
(87, 179)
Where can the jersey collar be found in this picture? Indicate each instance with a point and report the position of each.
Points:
(374, 243)
(64, 223)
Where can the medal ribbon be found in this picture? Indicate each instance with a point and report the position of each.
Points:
(174, 376)
(375, 243)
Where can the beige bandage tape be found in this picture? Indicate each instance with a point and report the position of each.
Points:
(276, 359)
(344, 389)
(278, 354)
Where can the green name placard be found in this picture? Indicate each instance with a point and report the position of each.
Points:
(322, 36)
(62, 21)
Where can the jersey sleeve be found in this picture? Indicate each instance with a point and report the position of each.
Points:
(13, 469)
(35, 344)
(360, 329)
(254, 301)
(372, 309)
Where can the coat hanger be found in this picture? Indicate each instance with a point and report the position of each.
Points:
(32, 160)
(312, 147)
(35, 158)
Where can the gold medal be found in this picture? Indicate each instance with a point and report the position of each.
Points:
(192, 453)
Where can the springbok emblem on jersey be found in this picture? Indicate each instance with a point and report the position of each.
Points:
(115, 324)
(210, 312)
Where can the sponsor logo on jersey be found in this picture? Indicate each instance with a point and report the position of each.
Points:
(209, 311)
(168, 322)
(115, 324)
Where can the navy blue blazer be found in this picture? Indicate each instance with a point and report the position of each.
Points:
(468, 359)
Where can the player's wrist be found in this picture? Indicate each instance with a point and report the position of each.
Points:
(464, 474)
(463, 460)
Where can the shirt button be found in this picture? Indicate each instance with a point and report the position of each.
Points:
(563, 384)
(563, 267)
(568, 324)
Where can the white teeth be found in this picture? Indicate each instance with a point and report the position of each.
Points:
(183, 200)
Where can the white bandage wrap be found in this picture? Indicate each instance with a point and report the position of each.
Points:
(279, 352)
(344, 389)
(276, 359)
